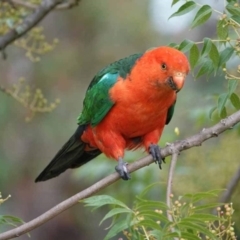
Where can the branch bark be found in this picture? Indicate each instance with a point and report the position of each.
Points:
(28, 23)
(178, 146)
(32, 6)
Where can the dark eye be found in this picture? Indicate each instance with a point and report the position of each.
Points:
(164, 66)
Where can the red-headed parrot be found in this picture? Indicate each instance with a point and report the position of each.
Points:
(126, 106)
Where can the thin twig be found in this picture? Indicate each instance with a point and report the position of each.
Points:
(226, 197)
(28, 23)
(169, 184)
(32, 6)
(179, 146)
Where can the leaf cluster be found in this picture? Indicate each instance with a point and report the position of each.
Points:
(33, 101)
(34, 42)
(210, 56)
(148, 219)
(7, 219)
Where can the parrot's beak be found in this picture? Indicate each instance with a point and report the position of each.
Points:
(179, 79)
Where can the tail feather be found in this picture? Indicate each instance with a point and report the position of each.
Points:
(71, 155)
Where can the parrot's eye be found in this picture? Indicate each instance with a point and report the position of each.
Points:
(164, 66)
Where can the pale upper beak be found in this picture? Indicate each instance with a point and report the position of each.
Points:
(179, 79)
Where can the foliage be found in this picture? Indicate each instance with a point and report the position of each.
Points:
(34, 42)
(34, 102)
(215, 54)
(148, 219)
(7, 219)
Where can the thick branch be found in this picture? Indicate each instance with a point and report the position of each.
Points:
(32, 6)
(28, 23)
(178, 146)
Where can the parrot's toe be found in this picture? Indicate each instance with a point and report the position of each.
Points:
(121, 168)
(155, 151)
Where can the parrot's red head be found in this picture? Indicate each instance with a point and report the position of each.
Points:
(164, 66)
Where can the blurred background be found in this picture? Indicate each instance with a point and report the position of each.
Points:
(91, 36)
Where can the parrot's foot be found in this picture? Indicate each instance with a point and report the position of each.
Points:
(155, 151)
(121, 168)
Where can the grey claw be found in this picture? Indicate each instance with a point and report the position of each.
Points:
(121, 168)
(155, 151)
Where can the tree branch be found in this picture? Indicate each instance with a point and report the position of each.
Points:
(32, 6)
(178, 146)
(28, 23)
(231, 187)
(169, 184)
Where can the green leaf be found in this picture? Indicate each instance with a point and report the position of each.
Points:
(221, 102)
(188, 224)
(212, 110)
(202, 195)
(207, 206)
(115, 211)
(150, 223)
(206, 68)
(157, 234)
(186, 45)
(143, 204)
(207, 44)
(233, 10)
(216, 192)
(193, 56)
(10, 220)
(173, 45)
(236, 18)
(225, 55)
(232, 85)
(154, 215)
(188, 235)
(174, 2)
(118, 227)
(214, 55)
(204, 217)
(185, 8)
(101, 200)
(171, 235)
(235, 101)
(203, 14)
(222, 29)
(223, 114)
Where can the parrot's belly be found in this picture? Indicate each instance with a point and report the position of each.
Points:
(137, 121)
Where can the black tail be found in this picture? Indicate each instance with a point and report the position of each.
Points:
(71, 155)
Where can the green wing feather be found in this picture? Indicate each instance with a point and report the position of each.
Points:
(170, 113)
(97, 102)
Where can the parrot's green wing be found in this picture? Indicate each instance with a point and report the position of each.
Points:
(170, 113)
(97, 102)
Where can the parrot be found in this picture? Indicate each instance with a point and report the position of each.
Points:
(126, 106)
